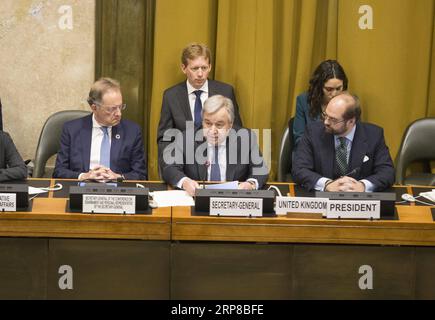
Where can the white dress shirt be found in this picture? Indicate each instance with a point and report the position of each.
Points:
(97, 139)
(192, 96)
(320, 184)
(222, 158)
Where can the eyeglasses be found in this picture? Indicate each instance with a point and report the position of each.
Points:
(113, 109)
(332, 120)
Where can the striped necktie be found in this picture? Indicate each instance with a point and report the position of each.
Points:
(341, 156)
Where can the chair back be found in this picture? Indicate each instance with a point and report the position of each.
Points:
(49, 139)
(418, 144)
(285, 154)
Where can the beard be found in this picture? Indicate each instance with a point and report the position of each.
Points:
(336, 131)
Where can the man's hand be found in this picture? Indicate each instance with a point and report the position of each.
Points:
(246, 185)
(190, 185)
(100, 173)
(112, 175)
(346, 184)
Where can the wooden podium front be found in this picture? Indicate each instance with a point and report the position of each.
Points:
(50, 253)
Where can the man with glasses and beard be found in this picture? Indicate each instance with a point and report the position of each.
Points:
(342, 153)
(102, 146)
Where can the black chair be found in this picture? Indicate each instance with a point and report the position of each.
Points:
(49, 139)
(285, 154)
(417, 145)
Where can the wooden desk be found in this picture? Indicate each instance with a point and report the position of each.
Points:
(294, 258)
(414, 227)
(192, 257)
(49, 218)
(106, 253)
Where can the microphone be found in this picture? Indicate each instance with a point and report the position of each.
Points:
(207, 164)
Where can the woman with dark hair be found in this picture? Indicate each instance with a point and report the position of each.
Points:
(327, 81)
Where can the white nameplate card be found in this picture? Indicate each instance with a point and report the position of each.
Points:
(109, 204)
(8, 202)
(367, 209)
(236, 207)
(284, 205)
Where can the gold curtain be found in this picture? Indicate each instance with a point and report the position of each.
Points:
(177, 23)
(389, 67)
(267, 49)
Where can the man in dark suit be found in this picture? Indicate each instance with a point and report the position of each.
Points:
(183, 102)
(214, 153)
(341, 153)
(12, 166)
(101, 146)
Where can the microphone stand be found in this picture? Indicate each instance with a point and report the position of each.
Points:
(207, 164)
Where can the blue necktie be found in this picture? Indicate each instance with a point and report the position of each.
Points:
(198, 109)
(105, 149)
(215, 173)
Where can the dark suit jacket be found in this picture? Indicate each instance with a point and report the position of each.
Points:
(12, 166)
(245, 166)
(176, 109)
(127, 155)
(315, 156)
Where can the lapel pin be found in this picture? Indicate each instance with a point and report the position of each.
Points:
(117, 137)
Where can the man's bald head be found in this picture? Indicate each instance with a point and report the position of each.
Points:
(341, 114)
(346, 104)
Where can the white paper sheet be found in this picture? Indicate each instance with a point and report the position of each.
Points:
(173, 198)
(232, 185)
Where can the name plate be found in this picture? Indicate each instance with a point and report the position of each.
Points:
(236, 207)
(301, 205)
(368, 209)
(109, 204)
(8, 202)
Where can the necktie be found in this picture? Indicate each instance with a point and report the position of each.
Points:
(105, 149)
(198, 109)
(341, 157)
(215, 172)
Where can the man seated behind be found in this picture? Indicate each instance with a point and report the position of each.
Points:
(217, 153)
(341, 153)
(101, 146)
(183, 101)
(12, 166)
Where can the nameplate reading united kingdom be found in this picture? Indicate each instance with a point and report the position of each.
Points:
(368, 209)
(109, 204)
(236, 207)
(8, 202)
(301, 205)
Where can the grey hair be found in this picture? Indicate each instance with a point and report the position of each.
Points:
(99, 89)
(217, 102)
